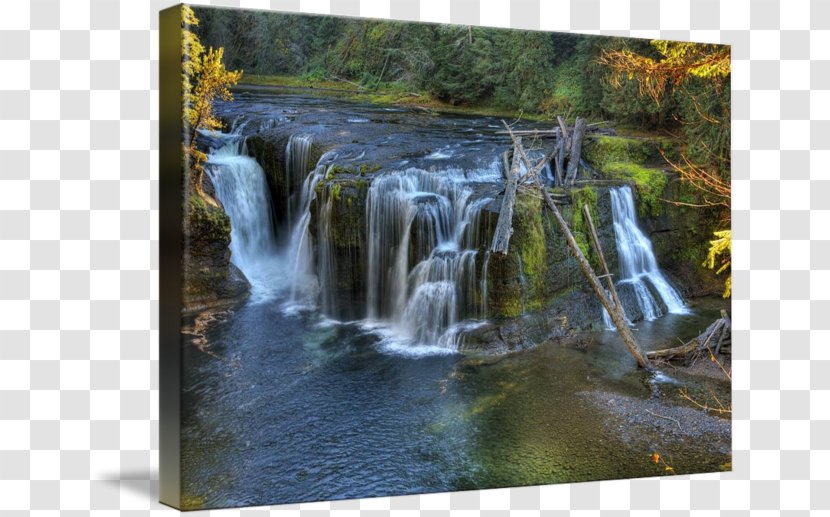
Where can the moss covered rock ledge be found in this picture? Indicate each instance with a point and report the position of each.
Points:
(210, 279)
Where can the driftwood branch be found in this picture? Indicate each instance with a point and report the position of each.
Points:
(616, 313)
(676, 421)
(698, 344)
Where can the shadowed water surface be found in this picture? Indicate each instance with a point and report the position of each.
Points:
(288, 408)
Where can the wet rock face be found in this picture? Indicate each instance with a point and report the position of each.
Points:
(338, 231)
(210, 280)
(270, 154)
(561, 321)
(539, 272)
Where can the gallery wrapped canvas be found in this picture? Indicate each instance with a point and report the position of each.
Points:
(401, 258)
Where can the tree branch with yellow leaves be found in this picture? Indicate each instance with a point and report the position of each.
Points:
(204, 80)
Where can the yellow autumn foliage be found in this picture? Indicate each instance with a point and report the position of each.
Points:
(677, 63)
(720, 255)
(204, 79)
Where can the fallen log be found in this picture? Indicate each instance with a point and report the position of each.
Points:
(565, 134)
(725, 333)
(698, 344)
(601, 182)
(505, 162)
(590, 129)
(504, 226)
(616, 313)
(560, 158)
(557, 160)
(576, 150)
(530, 132)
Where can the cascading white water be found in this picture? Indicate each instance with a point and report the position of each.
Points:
(304, 282)
(638, 265)
(296, 172)
(422, 230)
(242, 189)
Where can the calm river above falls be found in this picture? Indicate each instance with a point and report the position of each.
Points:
(283, 404)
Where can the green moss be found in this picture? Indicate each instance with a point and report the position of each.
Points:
(366, 168)
(649, 183)
(511, 307)
(207, 222)
(347, 216)
(579, 226)
(604, 150)
(362, 170)
(529, 232)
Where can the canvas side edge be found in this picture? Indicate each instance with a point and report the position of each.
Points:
(171, 195)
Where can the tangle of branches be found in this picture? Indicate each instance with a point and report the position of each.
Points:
(679, 62)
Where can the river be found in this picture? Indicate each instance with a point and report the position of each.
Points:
(282, 404)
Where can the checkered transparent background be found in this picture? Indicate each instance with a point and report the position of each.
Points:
(79, 255)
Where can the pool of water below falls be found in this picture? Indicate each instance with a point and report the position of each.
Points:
(283, 406)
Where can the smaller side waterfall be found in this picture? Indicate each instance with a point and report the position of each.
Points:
(638, 265)
(242, 189)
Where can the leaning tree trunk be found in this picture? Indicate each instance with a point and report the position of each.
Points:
(606, 273)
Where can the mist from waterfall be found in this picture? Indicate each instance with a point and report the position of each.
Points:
(638, 266)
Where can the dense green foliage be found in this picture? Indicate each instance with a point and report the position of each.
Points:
(535, 72)
(678, 89)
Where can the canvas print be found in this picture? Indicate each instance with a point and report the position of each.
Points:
(402, 257)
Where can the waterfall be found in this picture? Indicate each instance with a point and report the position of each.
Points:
(304, 283)
(243, 191)
(421, 255)
(484, 287)
(296, 171)
(638, 265)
